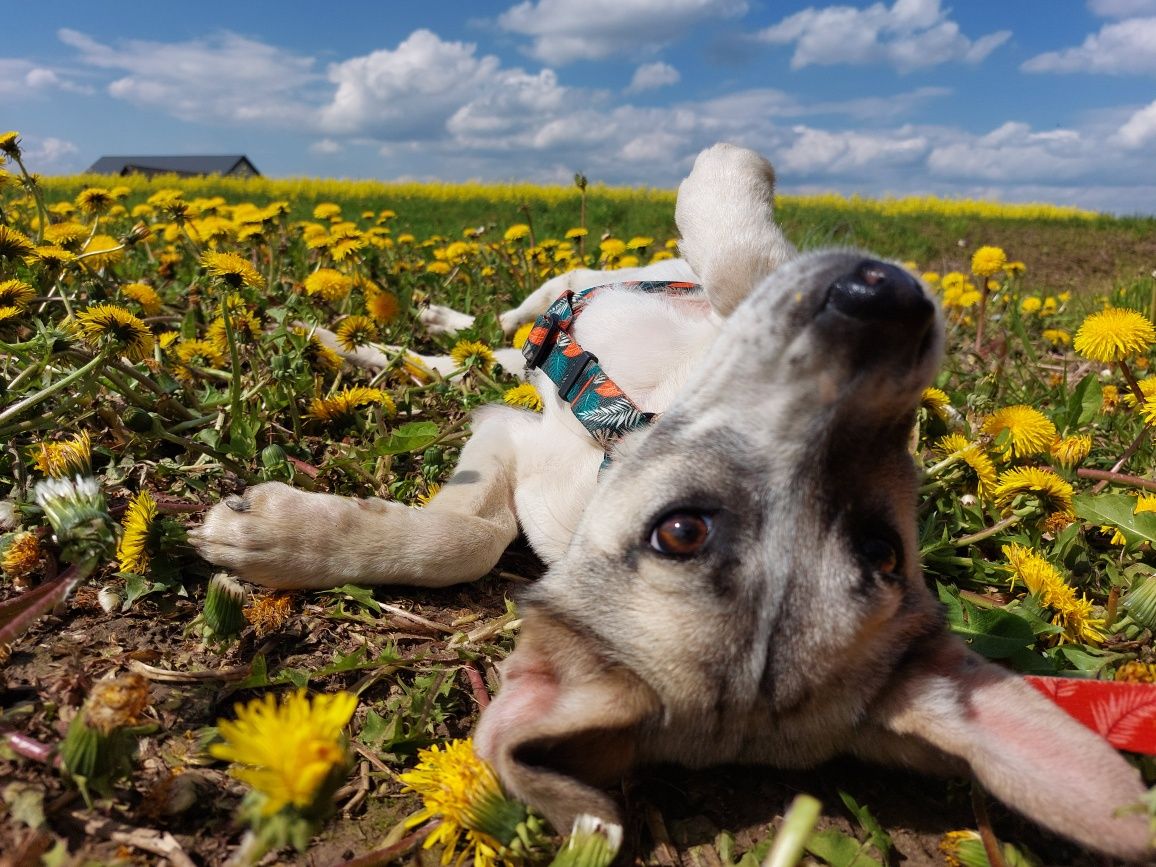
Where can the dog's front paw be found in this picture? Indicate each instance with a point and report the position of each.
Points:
(267, 535)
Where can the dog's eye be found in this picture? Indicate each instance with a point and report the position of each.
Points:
(881, 554)
(681, 534)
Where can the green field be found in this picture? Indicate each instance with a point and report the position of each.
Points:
(155, 338)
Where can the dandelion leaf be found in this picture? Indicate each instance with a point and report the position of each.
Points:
(1116, 510)
(413, 436)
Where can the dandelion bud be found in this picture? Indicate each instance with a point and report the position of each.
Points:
(136, 234)
(76, 510)
(580, 180)
(1140, 603)
(592, 844)
(224, 602)
(100, 746)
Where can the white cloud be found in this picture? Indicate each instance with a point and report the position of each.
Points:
(846, 152)
(907, 35)
(221, 78)
(650, 76)
(22, 78)
(567, 30)
(1121, 48)
(49, 154)
(1015, 153)
(1139, 129)
(326, 147)
(1122, 8)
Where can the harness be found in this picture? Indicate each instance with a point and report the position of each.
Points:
(596, 401)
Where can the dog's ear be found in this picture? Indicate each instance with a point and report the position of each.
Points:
(1020, 746)
(564, 724)
(725, 214)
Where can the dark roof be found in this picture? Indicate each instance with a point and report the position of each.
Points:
(219, 164)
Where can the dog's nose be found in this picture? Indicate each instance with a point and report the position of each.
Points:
(877, 290)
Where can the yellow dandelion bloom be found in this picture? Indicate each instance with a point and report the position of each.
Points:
(639, 242)
(100, 251)
(132, 552)
(612, 247)
(340, 406)
(522, 335)
(1135, 671)
(16, 293)
(1071, 450)
(8, 312)
(65, 458)
(983, 473)
(294, 752)
(144, 295)
(326, 211)
(194, 354)
(269, 612)
(936, 402)
(1054, 494)
(232, 270)
(52, 257)
(69, 234)
(1031, 304)
(114, 324)
(472, 353)
(577, 232)
(10, 143)
(95, 200)
(463, 793)
(517, 232)
(1015, 268)
(355, 331)
(439, 268)
(382, 305)
(328, 283)
(1043, 580)
(1114, 334)
(1109, 398)
(524, 396)
(1029, 431)
(23, 557)
(14, 245)
(988, 261)
(1057, 337)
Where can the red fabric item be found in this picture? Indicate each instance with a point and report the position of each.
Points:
(1123, 713)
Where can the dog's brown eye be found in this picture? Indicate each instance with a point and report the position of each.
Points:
(681, 534)
(881, 554)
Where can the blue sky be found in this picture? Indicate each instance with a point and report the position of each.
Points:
(1016, 100)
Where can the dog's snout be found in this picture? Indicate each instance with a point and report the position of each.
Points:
(878, 290)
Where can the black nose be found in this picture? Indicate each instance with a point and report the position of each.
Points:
(877, 290)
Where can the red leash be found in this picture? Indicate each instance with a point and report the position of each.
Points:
(1123, 713)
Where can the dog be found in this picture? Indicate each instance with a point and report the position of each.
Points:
(736, 577)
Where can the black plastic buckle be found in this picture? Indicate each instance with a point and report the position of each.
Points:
(580, 363)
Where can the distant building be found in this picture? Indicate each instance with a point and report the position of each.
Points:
(234, 165)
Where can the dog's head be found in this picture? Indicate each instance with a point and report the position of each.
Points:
(745, 584)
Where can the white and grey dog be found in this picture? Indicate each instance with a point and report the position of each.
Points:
(740, 583)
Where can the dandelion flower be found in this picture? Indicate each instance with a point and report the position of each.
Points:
(1114, 334)
(7, 311)
(95, 200)
(232, 270)
(1054, 494)
(15, 293)
(340, 407)
(14, 245)
(326, 211)
(982, 469)
(472, 353)
(292, 752)
(1029, 431)
(517, 232)
(439, 268)
(1071, 450)
(10, 143)
(71, 457)
(612, 248)
(109, 322)
(576, 232)
(936, 402)
(524, 396)
(1109, 398)
(639, 242)
(328, 283)
(988, 261)
(52, 257)
(132, 553)
(23, 557)
(1135, 671)
(522, 335)
(69, 235)
(1043, 580)
(355, 331)
(144, 295)
(198, 354)
(463, 792)
(382, 305)
(1057, 337)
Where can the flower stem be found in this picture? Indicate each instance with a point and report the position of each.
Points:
(798, 824)
(39, 397)
(987, 532)
(1130, 378)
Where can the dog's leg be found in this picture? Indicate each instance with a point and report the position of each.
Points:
(439, 319)
(730, 240)
(282, 537)
(421, 367)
